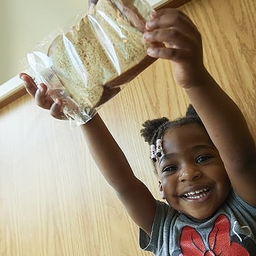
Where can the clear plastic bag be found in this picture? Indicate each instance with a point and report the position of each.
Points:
(87, 63)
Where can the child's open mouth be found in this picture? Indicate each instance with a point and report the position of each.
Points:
(197, 194)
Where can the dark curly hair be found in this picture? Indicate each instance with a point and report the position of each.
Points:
(154, 129)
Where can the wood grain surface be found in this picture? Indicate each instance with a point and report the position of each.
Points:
(53, 201)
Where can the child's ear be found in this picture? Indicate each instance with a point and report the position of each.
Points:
(161, 191)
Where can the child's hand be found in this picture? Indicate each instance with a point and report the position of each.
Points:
(42, 98)
(173, 36)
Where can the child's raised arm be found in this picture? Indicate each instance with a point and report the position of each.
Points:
(108, 156)
(222, 118)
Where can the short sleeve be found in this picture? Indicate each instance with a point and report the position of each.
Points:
(158, 233)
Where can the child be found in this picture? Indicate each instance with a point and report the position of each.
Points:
(206, 166)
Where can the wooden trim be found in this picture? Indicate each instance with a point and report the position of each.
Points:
(173, 4)
(11, 90)
(12, 97)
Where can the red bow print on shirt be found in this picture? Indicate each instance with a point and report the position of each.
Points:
(219, 242)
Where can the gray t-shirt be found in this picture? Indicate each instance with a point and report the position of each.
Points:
(230, 232)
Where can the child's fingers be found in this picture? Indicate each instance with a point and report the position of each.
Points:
(29, 84)
(176, 47)
(171, 37)
(56, 110)
(176, 55)
(166, 11)
(180, 38)
(166, 17)
(42, 98)
(172, 18)
(40, 94)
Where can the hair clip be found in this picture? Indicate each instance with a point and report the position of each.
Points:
(153, 152)
(159, 148)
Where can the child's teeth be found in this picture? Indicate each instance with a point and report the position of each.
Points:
(195, 192)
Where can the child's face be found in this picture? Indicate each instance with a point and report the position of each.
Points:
(192, 177)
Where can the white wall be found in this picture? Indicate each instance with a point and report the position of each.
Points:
(25, 22)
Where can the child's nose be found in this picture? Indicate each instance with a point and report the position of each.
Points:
(189, 173)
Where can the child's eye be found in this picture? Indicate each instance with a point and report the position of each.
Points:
(171, 168)
(202, 159)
